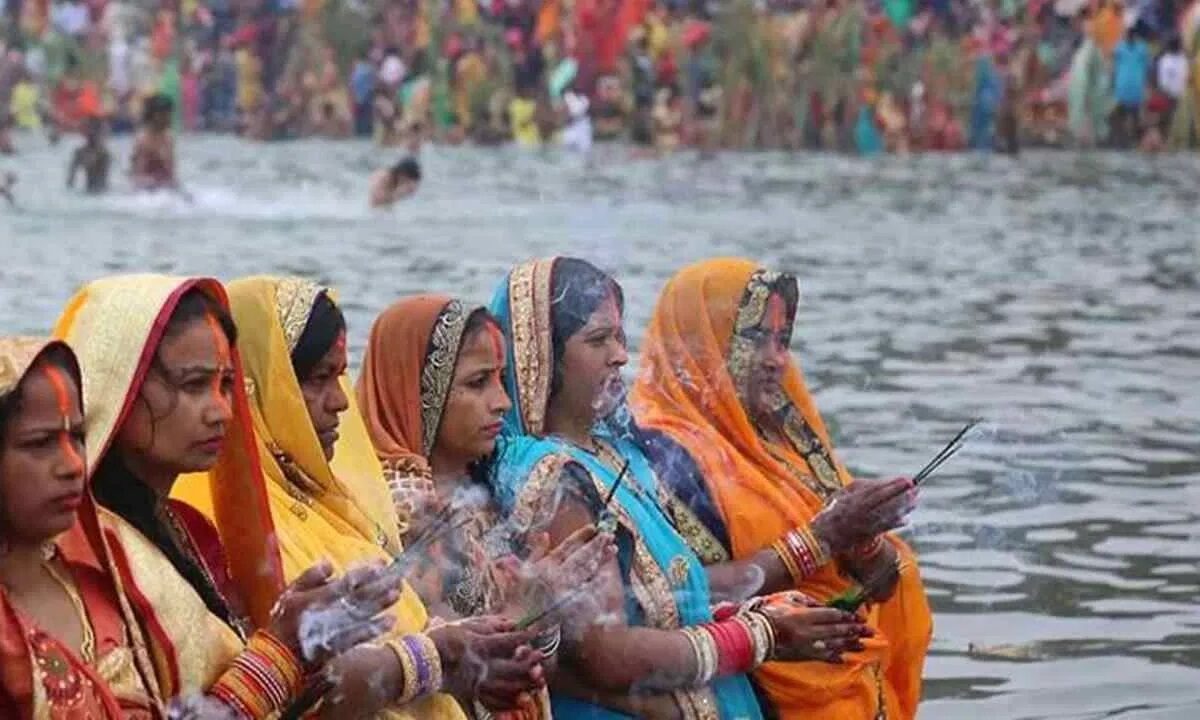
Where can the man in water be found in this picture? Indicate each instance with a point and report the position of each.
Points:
(93, 158)
(7, 181)
(152, 166)
(396, 183)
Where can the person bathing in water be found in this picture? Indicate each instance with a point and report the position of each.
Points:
(7, 181)
(92, 158)
(153, 161)
(396, 183)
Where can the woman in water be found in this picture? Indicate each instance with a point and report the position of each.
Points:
(653, 644)
(749, 461)
(158, 361)
(328, 500)
(432, 392)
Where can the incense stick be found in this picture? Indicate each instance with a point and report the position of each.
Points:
(613, 490)
(944, 454)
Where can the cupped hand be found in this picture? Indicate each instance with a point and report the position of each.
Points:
(803, 632)
(488, 659)
(321, 617)
(861, 511)
(878, 573)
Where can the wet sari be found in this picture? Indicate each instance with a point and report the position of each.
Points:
(666, 585)
(115, 325)
(40, 676)
(696, 358)
(339, 511)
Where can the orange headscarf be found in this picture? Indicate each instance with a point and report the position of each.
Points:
(687, 390)
(402, 423)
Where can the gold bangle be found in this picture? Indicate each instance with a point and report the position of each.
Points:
(408, 666)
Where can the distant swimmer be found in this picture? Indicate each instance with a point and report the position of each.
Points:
(396, 183)
(8, 180)
(92, 158)
(152, 166)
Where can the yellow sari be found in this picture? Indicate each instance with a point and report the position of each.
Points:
(340, 511)
(115, 326)
(695, 362)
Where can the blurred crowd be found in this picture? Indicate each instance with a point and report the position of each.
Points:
(862, 76)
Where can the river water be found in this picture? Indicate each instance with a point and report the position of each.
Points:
(1057, 296)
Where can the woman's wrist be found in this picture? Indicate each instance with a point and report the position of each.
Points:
(802, 551)
(262, 678)
(420, 664)
(732, 646)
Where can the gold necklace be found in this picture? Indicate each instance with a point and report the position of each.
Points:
(87, 646)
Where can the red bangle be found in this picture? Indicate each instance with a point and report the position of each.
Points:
(735, 646)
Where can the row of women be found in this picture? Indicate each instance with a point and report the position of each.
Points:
(202, 518)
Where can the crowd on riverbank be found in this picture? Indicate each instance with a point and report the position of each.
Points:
(848, 75)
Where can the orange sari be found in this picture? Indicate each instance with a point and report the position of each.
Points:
(693, 363)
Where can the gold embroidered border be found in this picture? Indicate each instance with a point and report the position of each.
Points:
(648, 582)
(437, 373)
(529, 310)
(294, 298)
(706, 545)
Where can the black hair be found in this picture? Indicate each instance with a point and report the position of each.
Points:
(194, 305)
(10, 404)
(117, 488)
(155, 105)
(407, 168)
(577, 289)
(325, 324)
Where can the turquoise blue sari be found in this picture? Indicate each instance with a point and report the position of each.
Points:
(669, 592)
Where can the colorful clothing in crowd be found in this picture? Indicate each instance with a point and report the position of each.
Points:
(696, 357)
(667, 587)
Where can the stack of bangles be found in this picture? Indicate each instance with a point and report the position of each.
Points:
(735, 644)
(422, 666)
(262, 678)
(801, 552)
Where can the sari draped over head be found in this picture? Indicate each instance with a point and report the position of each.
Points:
(407, 374)
(337, 511)
(115, 325)
(696, 359)
(41, 677)
(666, 585)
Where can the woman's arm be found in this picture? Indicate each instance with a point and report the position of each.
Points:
(600, 644)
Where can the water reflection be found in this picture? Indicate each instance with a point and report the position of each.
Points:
(1056, 296)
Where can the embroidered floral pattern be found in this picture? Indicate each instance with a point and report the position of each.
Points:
(437, 373)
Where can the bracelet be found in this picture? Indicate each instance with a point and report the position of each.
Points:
(734, 645)
(262, 678)
(802, 553)
(548, 641)
(428, 662)
(408, 665)
(705, 651)
(763, 633)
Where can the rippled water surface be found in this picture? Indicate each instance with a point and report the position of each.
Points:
(1057, 296)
